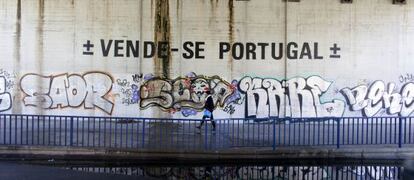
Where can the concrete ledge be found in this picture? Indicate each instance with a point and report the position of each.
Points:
(35, 153)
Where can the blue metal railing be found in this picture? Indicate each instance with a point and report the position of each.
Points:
(182, 134)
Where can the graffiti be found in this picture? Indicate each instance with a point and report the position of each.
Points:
(230, 109)
(373, 172)
(297, 97)
(129, 91)
(220, 172)
(5, 97)
(137, 78)
(9, 79)
(187, 92)
(7, 83)
(188, 112)
(135, 93)
(302, 172)
(408, 77)
(123, 82)
(148, 77)
(68, 90)
(236, 97)
(254, 172)
(259, 97)
(371, 99)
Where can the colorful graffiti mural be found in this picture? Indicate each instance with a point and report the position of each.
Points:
(184, 92)
(246, 97)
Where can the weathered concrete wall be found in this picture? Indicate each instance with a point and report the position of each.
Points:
(261, 58)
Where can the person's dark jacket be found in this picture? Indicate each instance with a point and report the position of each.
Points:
(209, 104)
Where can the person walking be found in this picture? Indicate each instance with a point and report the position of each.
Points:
(208, 111)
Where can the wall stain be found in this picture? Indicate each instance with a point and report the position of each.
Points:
(231, 32)
(108, 31)
(162, 34)
(141, 18)
(39, 47)
(213, 8)
(152, 7)
(16, 107)
(215, 3)
(177, 7)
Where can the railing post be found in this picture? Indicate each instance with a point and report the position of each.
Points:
(399, 132)
(205, 136)
(143, 133)
(338, 125)
(71, 132)
(274, 134)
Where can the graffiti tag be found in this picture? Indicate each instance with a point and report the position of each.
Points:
(5, 97)
(371, 99)
(187, 92)
(297, 97)
(66, 90)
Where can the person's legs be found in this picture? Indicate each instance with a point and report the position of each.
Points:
(213, 123)
(202, 122)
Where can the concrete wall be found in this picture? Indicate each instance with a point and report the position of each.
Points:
(329, 59)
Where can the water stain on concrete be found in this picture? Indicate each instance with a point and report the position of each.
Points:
(16, 108)
(231, 32)
(39, 47)
(162, 33)
(152, 7)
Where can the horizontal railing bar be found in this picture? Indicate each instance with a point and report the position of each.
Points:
(192, 119)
